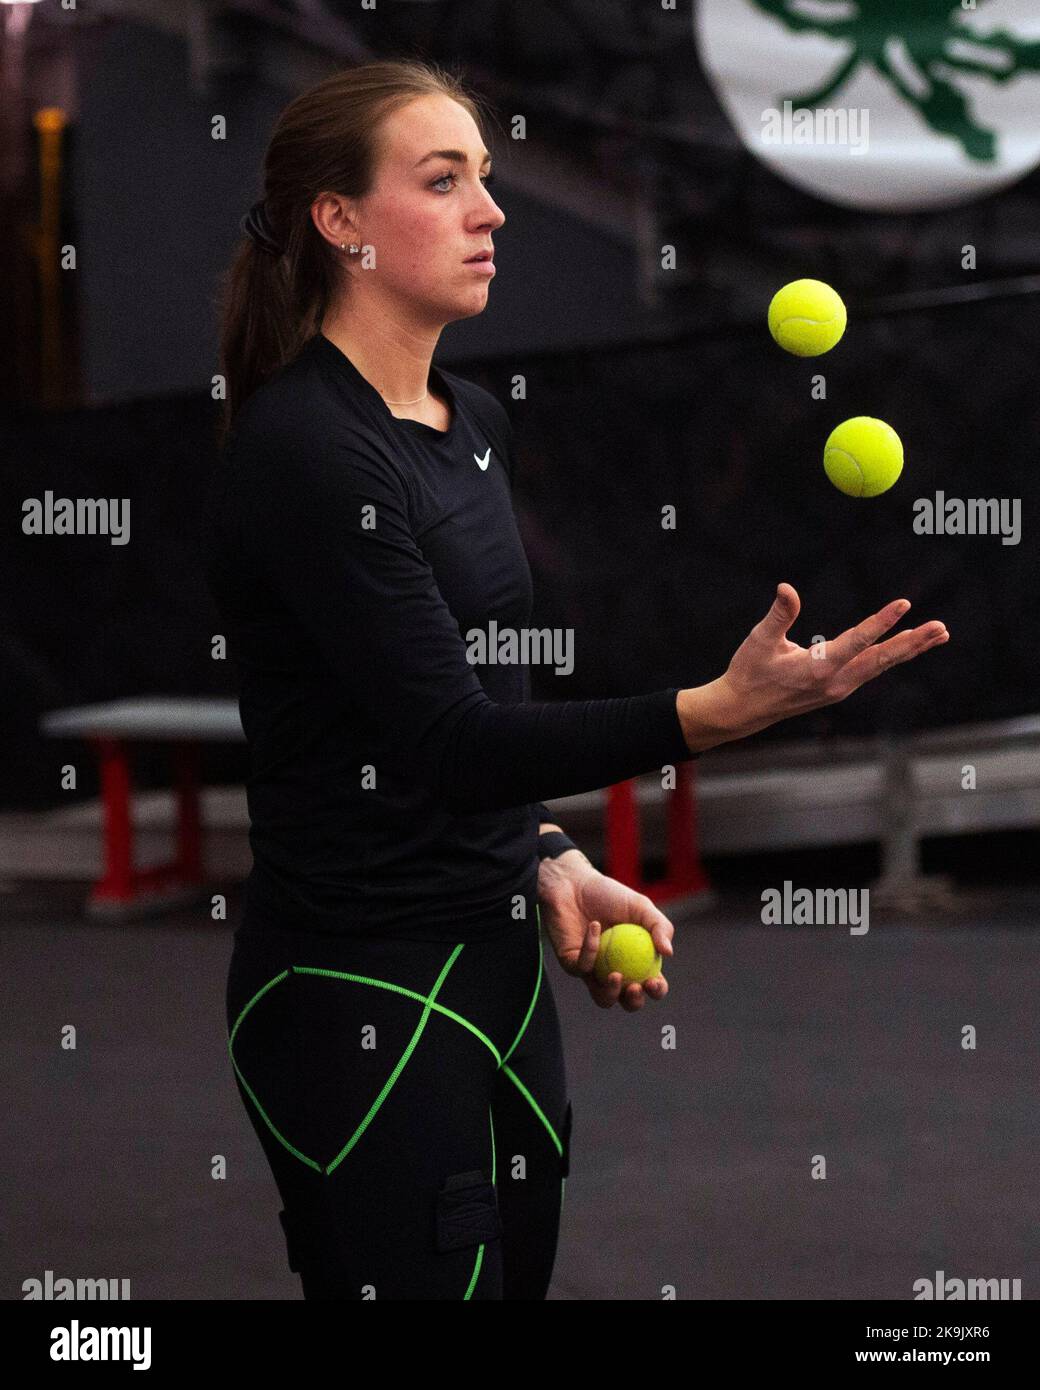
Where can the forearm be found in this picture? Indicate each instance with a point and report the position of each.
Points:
(708, 716)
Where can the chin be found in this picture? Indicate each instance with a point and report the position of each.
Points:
(466, 307)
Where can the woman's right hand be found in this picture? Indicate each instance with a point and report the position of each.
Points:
(770, 678)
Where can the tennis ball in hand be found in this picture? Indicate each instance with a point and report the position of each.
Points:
(629, 948)
(807, 317)
(863, 456)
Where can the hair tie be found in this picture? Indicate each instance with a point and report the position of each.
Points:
(257, 226)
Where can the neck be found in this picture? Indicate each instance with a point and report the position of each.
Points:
(391, 355)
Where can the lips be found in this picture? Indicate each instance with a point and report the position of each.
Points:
(480, 256)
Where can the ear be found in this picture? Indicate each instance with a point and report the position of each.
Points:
(335, 218)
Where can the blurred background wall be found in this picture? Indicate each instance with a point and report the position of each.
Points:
(643, 241)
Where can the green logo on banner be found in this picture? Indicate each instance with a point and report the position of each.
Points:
(882, 104)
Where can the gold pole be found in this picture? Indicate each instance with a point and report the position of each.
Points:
(50, 123)
(16, 311)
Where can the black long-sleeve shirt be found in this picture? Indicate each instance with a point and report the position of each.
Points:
(394, 785)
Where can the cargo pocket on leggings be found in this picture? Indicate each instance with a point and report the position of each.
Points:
(565, 1141)
(467, 1212)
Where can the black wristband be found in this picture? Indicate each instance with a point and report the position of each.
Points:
(553, 843)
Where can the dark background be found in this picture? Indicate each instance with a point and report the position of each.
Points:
(637, 395)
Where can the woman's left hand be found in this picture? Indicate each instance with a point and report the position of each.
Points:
(576, 902)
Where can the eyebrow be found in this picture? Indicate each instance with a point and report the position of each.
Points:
(459, 156)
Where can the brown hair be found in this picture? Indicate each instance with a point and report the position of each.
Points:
(325, 140)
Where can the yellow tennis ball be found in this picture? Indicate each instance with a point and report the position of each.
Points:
(629, 948)
(807, 317)
(863, 456)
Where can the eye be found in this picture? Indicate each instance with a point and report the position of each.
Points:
(486, 179)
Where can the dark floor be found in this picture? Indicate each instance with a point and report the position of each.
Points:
(691, 1167)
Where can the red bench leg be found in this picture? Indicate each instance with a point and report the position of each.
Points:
(117, 882)
(622, 836)
(684, 872)
(123, 886)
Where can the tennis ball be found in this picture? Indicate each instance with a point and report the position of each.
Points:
(629, 948)
(863, 456)
(807, 317)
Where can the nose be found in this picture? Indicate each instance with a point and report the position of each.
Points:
(493, 216)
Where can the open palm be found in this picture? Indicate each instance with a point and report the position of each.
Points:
(771, 678)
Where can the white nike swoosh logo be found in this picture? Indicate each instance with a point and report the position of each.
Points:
(483, 462)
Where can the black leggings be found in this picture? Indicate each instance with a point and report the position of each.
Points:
(411, 1099)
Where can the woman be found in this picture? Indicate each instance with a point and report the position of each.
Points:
(393, 1039)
